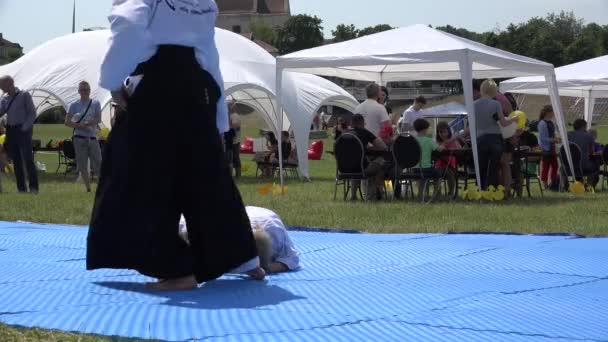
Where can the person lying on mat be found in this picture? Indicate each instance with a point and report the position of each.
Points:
(276, 250)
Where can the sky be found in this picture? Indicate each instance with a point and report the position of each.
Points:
(32, 22)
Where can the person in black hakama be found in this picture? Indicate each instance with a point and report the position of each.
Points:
(176, 88)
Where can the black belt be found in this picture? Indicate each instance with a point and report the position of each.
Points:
(14, 126)
(83, 137)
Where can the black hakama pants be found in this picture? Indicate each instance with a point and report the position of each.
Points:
(165, 158)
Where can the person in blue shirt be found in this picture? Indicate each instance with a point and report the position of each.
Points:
(168, 51)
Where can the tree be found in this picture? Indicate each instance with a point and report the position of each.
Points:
(374, 29)
(565, 27)
(344, 32)
(582, 49)
(298, 33)
(14, 55)
(461, 32)
(545, 48)
(262, 31)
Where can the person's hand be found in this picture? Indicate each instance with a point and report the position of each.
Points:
(120, 98)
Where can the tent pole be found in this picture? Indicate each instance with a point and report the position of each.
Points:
(559, 113)
(279, 113)
(589, 107)
(466, 74)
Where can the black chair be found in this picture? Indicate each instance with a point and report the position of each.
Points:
(531, 176)
(67, 157)
(407, 154)
(350, 162)
(577, 161)
(604, 171)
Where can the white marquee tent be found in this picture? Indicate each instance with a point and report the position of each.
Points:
(52, 71)
(419, 52)
(587, 79)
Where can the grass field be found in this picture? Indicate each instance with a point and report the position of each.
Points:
(61, 200)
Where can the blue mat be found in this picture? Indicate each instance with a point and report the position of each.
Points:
(352, 287)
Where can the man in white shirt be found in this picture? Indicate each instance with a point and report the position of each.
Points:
(413, 113)
(376, 117)
(83, 116)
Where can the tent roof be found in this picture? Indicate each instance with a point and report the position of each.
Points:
(446, 110)
(410, 53)
(578, 80)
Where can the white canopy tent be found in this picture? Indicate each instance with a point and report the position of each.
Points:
(587, 79)
(419, 53)
(52, 71)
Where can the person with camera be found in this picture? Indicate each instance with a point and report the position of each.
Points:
(83, 116)
(21, 115)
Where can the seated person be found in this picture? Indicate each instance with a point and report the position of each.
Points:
(447, 165)
(445, 137)
(427, 146)
(373, 166)
(584, 141)
(341, 126)
(276, 250)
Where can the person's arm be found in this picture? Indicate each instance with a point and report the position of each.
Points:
(543, 132)
(30, 112)
(128, 45)
(2, 107)
(96, 120)
(504, 121)
(379, 145)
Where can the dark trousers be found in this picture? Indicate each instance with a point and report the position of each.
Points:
(135, 221)
(233, 156)
(490, 147)
(19, 146)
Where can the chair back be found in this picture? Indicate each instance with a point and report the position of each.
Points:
(350, 155)
(576, 153)
(68, 149)
(406, 151)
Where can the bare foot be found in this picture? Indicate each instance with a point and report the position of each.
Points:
(257, 273)
(177, 284)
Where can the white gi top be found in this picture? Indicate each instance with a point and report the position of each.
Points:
(283, 249)
(140, 26)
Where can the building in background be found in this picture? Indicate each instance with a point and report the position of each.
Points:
(237, 15)
(9, 51)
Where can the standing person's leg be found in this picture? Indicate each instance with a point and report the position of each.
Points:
(484, 160)
(496, 151)
(95, 157)
(12, 142)
(218, 226)
(236, 159)
(27, 153)
(505, 171)
(546, 165)
(81, 148)
(553, 166)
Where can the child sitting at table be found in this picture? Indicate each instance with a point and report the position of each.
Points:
(444, 137)
(276, 250)
(447, 165)
(427, 146)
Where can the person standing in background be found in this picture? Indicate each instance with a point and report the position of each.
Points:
(83, 116)
(21, 115)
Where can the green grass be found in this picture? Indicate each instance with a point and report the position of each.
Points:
(63, 201)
